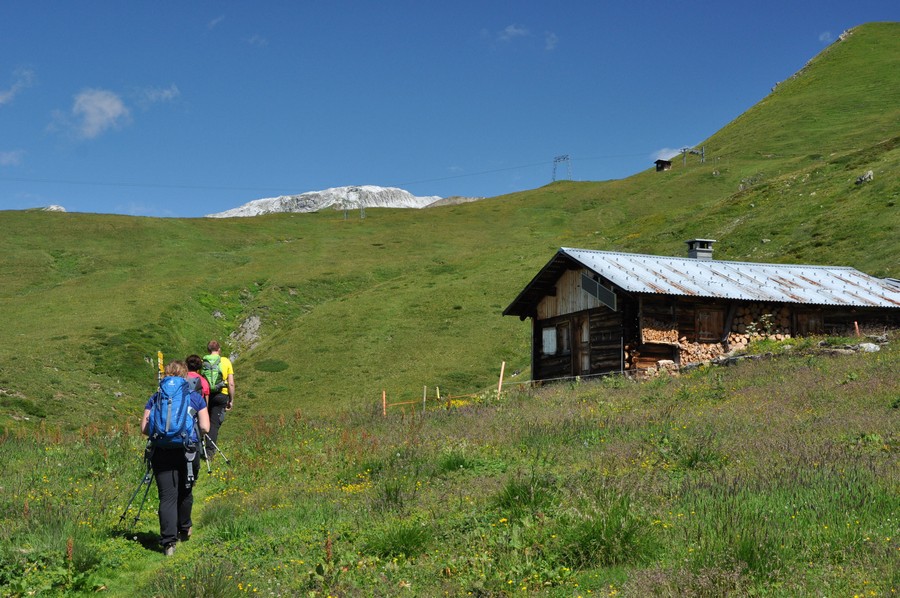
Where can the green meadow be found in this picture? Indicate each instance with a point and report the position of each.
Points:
(774, 477)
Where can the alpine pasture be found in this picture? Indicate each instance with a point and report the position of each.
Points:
(776, 477)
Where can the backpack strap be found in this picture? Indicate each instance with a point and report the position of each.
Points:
(189, 456)
(194, 383)
(190, 448)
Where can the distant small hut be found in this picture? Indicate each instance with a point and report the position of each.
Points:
(597, 312)
(663, 165)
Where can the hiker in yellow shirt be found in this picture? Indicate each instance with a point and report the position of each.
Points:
(221, 393)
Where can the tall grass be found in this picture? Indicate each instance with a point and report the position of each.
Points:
(785, 485)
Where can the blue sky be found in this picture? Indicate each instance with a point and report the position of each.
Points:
(180, 109)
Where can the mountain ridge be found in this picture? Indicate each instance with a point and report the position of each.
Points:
(349, 197)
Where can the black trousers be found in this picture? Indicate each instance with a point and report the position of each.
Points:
(176, 498)
(216, 405)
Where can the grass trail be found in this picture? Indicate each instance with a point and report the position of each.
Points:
(774, 477)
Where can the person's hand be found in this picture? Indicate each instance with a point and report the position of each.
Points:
(229, 405)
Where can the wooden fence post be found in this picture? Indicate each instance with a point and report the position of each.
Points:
(384, 403)
(500, 384)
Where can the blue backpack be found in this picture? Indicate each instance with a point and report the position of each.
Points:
(171, 422)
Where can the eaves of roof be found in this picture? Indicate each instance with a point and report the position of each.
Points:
(746, 281)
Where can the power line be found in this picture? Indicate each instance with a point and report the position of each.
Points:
(139, 185)
(468, 174)
(613, 156)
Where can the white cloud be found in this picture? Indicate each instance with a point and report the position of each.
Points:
(24, 78)
(97, 110)
(513, 31)
(215, 22)
(157, 95)
(666, 153)
(13, 158)
(257, 40)
(825, 37)
(550, 41)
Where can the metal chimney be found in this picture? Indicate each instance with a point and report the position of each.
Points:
(700, 249)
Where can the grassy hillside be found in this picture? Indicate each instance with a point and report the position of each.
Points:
(406, 299)
(775, 477)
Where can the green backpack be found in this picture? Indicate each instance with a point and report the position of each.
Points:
(213, 373)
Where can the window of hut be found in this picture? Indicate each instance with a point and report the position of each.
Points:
(548, 341)
(556, 340)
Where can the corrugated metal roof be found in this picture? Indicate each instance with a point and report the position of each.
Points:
(788, 283)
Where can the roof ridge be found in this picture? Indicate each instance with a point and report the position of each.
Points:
(696, 261)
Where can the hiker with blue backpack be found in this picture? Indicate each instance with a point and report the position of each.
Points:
(219, 372)
(175, 418)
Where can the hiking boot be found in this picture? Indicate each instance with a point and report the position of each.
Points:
(185, 534)
(169, 549)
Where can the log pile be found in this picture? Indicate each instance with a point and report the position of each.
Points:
(689, 352)
(656, 331)
(646, 356)
(750, 323)
(757, 322)
(699, 352)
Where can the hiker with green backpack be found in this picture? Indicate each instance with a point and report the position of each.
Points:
(219, 372)
(175, 418)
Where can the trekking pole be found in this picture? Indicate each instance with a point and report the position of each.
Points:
(206, 456)
(147, 479)
(215, 446)
(148, 475)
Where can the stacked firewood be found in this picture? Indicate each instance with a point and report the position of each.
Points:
(699, 352)
(750, 323)
(689, 352)
(635, 361)
(656, 331)
(759, 321)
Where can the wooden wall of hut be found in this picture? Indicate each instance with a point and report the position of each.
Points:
(607, 341)
(570, 298)
(559, 364)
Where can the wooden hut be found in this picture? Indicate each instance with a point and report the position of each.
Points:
(597, 312)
